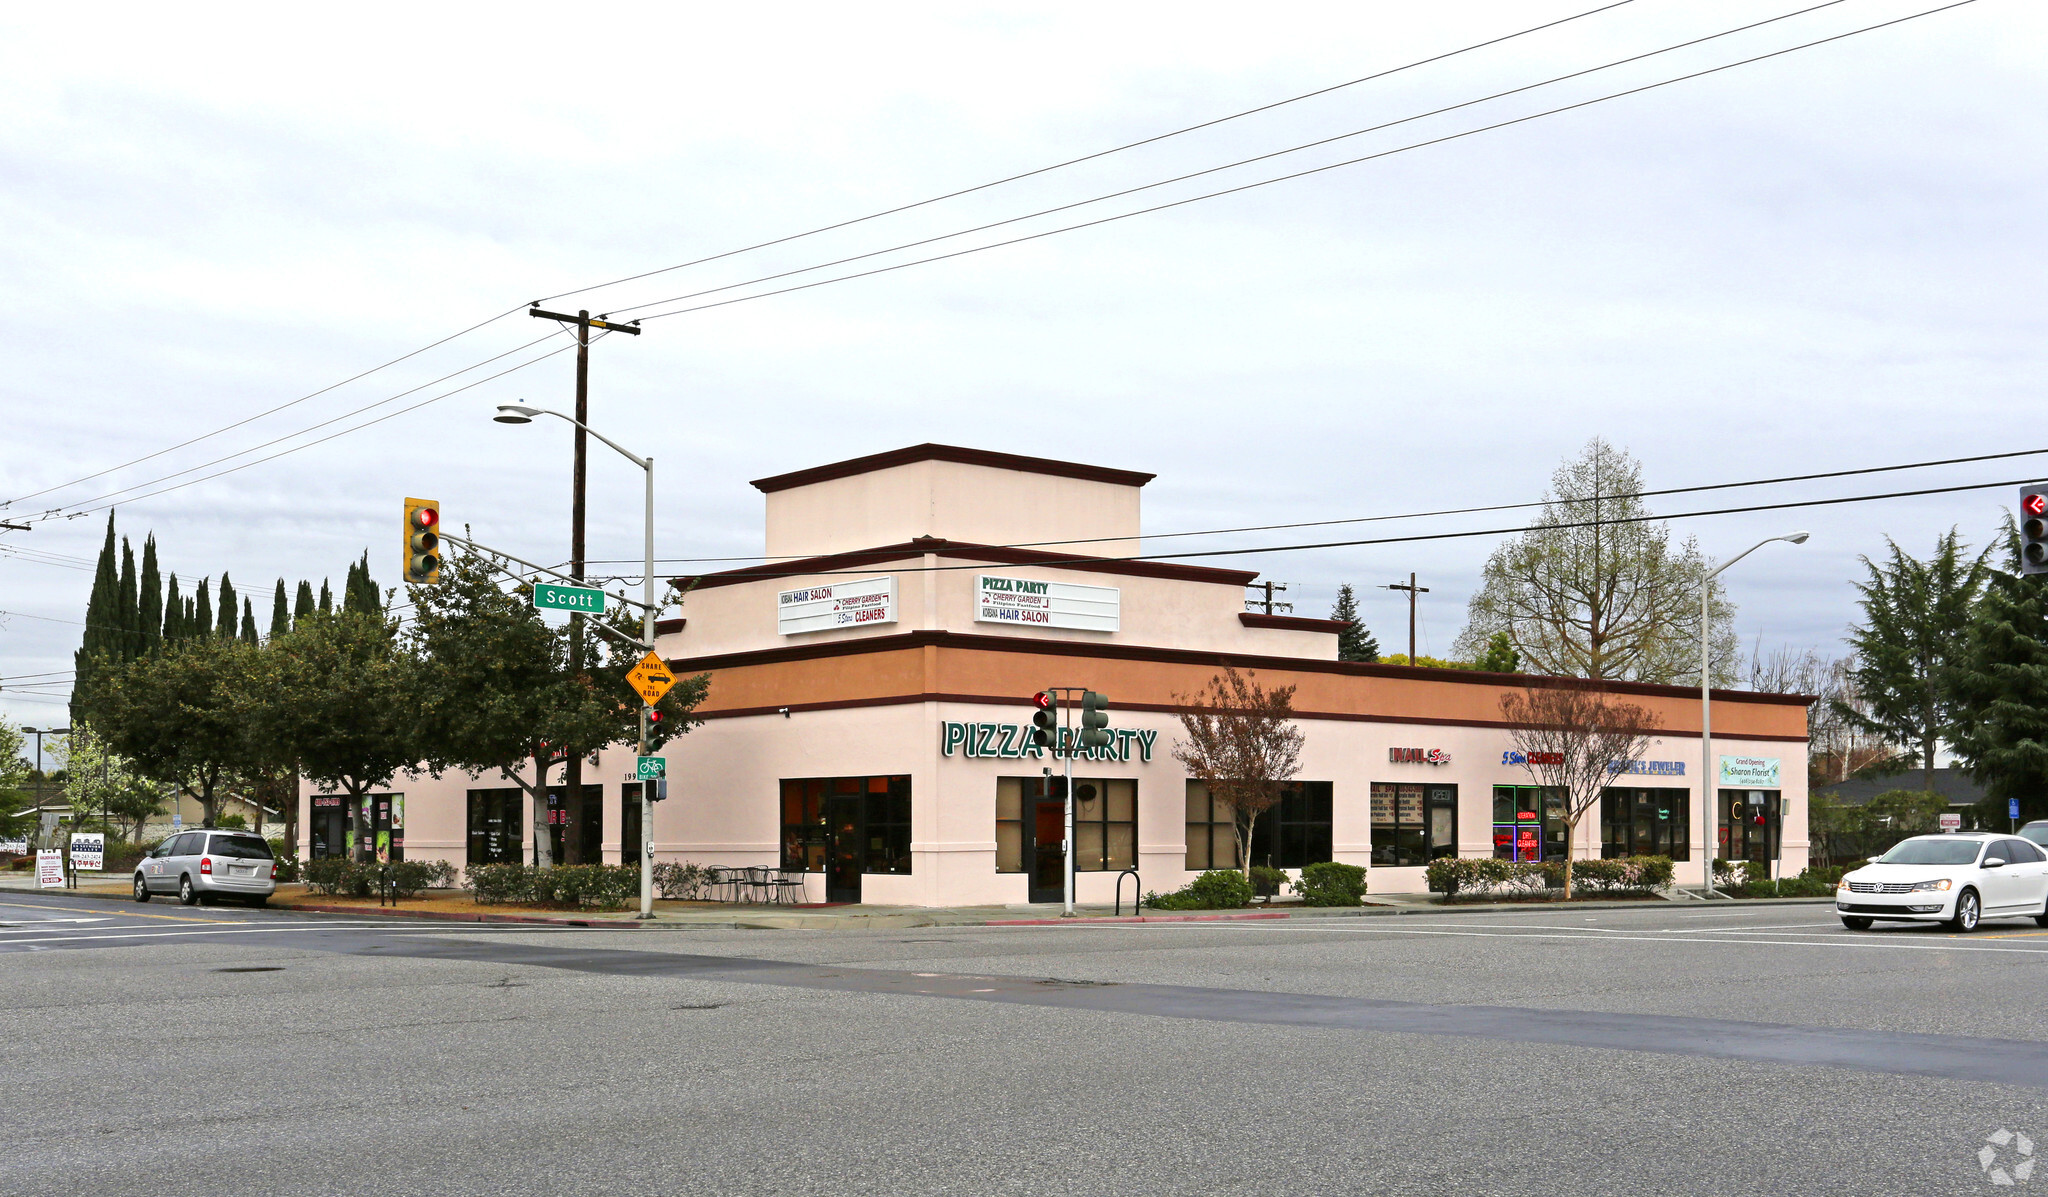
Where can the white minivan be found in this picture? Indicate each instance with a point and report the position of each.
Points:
(205, 866)
(1958, 879)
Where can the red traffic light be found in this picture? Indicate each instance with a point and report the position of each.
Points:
(1042, 700)
(2035, 504)
(653, 716)
(425, 517)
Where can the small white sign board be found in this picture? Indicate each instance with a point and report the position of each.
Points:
(1036, 602)
(49, 868)
(88, 851)
(1951, 822)
(840, 605)
(17, 847)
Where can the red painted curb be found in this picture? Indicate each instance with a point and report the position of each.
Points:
(392, 912)
(1133, 918)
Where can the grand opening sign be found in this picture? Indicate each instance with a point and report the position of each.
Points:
(840, 605)
(1035, 603)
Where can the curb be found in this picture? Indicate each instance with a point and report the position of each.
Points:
(447, 917)
(1129, 918)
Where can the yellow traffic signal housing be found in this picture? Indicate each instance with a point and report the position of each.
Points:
(422, 541)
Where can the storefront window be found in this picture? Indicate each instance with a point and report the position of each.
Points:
(1645, 822)
(1749, 825)
(859, 820)
(1528, 823)
(1105, 821)
(1294, 833)
(497, 824)
(1412, 823)
(589, 822)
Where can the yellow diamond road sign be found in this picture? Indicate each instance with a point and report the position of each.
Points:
(651, 679)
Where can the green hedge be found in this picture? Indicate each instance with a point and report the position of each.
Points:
(1217, 889)
(680, 880)
(596, 886)
(340, 875)
(1486, 876)
(1331, 884)
(1266, 882)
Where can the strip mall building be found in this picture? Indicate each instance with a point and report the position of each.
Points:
(870, 688)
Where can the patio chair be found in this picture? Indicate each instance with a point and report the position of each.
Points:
(759, 881)
(789, 886)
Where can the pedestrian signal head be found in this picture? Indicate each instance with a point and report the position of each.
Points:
(422, 541)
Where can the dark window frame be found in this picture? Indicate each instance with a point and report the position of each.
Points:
(886, 814)
(1296, 832)
(512, 798)
(1636, 835)
(1412, 843)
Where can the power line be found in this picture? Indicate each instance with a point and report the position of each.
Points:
(1449, 137)
(1368, 519)
(1789, 505)
(1159, 137)
(830, 228)
(1308, 145)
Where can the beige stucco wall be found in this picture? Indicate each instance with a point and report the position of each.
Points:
(977, 504)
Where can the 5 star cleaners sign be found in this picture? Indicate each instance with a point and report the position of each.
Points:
(1033, 603)
(840, 605)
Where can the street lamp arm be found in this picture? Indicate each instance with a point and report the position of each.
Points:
(645, 463)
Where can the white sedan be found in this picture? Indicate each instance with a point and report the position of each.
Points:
(1958, 879)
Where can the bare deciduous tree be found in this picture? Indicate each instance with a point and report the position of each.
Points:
(1573, 739)
(1242, 742)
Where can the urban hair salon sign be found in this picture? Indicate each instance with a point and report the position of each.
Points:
(840, 605)
(1040, 604)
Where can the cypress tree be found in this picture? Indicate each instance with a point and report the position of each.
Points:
(303, 606)
(326, 598)
(1999, 687)
(1353, 643)
(174, 613)
(360, 591)
(129, 644)
(100, 615)
(248, 622)
(199, 619)
(151, 609)
(226, 629)
(192, 622)
(280, 615)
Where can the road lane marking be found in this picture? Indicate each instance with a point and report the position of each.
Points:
(126, 914)
(1951, 944)
(152, 933)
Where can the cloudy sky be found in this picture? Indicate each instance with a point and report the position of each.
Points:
(1825, 260)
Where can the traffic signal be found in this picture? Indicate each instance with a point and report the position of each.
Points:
(1045, 721)
(1094, 719)
(422, 541)
(2034, 529)
(657, 789)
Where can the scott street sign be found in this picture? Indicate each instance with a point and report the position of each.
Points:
(549, 597)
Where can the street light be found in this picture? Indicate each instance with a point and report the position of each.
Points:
(1710, 814)
(519, 413)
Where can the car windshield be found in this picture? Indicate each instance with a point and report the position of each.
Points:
(248, 847)
(1939, 851)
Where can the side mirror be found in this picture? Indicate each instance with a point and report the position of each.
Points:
(1993, 862)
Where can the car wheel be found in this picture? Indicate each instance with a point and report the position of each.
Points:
(1854, 923)
(1969, 912)
(141, 888)
(187, 896)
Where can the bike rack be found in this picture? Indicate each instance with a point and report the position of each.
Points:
(1137, 891)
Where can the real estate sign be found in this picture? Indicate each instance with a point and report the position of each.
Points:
(88, 851)
(1038, 603)
(49, 868)
(840, 605)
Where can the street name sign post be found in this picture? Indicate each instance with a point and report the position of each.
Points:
(549, 596)
(653, 768)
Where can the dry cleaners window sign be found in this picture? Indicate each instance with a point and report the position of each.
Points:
(1743, 772)
(1012, 741)
(840, 605)
(1041, 604)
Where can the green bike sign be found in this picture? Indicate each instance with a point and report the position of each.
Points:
(653, 768)
(549, 597)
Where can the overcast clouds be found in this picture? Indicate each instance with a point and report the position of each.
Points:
(1827, 260)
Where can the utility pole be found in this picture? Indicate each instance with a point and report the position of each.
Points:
(1270, 589)
(572, 781)
(1412, 590)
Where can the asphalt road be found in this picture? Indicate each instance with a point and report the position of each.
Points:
(167, 1050)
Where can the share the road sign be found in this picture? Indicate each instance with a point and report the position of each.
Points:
(651, 679)
(547, 596)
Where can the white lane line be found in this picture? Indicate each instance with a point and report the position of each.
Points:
(458, 929)
(1949, 946)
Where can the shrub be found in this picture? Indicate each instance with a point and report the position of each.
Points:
(680, 880)
(1477, 876)
(495, 883)
(604, 887)
(231, 823)
(335, 875)
(1217, 889)
(1266, 881)
(1331, 884)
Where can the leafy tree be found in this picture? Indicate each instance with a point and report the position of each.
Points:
(495, 693)
(1595, 588)
(99, 781)
(1916, 615)
(1573, 739)
(1500, 656)
(1241, 742)
(183, 716)
(1998, 691)
(1354, 643)
(349, 722)
(14, 773)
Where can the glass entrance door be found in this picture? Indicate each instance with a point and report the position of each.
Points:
(1047, 849)
(843, 847)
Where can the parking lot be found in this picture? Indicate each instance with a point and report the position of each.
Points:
(1681, 1048)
